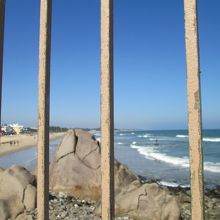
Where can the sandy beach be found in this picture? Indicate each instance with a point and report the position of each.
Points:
(19, 142)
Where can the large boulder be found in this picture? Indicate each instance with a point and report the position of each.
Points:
(148, 201)
(17, 192)
(76, 167)
(76, 171)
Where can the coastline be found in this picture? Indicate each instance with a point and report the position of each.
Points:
(23, 141)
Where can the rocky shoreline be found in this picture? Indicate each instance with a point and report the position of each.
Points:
(183, 194)
(75, 194)
(62, 206)
(212, 202)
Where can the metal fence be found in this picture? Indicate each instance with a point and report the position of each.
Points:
(107, 102)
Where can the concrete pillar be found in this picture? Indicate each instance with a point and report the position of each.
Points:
(194, 109)
(43, 111)
(107, 110)
(2, 22)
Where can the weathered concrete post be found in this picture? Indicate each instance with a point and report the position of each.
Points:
(43, 111)
(2, 23)
(194, 109)
(107, 110)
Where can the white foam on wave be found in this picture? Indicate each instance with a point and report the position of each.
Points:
(206, 139)
(120, 143)
(211, 139)
(172, 184)
(134, 142)
(152, 154)
(144, 136)
(212, 167)
(181, 136)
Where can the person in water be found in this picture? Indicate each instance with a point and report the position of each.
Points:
(156, 143)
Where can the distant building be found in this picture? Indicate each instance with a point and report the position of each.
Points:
(7, 130)
(17, 128)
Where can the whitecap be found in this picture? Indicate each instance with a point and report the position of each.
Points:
(144, 136)
(205, 139)
(172, 184)
(181, 136)
(211, 139)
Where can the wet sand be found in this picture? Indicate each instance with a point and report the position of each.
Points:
(9, 144)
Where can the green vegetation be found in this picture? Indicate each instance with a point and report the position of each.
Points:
(58, 129)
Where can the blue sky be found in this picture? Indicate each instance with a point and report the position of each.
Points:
(149, 57)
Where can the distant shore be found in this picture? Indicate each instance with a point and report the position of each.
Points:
(10, 144)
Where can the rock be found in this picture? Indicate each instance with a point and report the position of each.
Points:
(15, 181)
(24, 216)
(79, 155)
(10, 206)
(82, 175)
(63, 206)
(1, 171)
(76, 171)
(4, 210)
(30, 197)
(148, 201)
(70, 143)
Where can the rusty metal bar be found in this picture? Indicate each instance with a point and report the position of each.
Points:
(194, 109)
(2, 23)
(107, 110)
(43, 110)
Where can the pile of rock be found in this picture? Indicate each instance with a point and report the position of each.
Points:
(66, 207)
(212, 202)
(76, 171)
(62, 206)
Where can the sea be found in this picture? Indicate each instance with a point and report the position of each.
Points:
(163, 156)
(166, 163)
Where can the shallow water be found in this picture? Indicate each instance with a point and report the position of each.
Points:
(26, 158)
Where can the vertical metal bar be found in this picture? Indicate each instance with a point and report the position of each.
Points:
(194, 109)
(43, 110)
(107, 110)
(2, 23)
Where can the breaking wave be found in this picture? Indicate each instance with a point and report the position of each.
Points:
(205, 139)
(181, 136)
(152, 154)
(211, 139)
